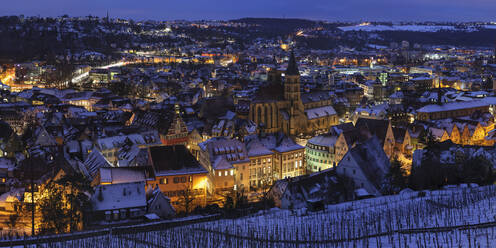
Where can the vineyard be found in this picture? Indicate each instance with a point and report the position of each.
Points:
(461, 217)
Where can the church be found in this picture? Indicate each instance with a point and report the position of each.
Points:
(281, 106)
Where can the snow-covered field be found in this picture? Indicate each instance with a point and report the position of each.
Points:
(462, 217)
(413, 28)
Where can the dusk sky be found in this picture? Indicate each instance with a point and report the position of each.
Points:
(355, 10)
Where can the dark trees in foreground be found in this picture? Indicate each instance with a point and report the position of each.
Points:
(433, 173)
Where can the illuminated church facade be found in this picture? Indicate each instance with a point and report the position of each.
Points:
(282, 107)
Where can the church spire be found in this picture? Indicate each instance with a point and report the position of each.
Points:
(292, 69)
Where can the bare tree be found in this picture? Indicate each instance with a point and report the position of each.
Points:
(265, 184)
(186, 197)
(14, 221)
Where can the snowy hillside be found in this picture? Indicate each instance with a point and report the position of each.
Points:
(412, 28)
(447, 218)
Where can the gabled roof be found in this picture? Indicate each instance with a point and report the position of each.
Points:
(256, 148)
(159, 120)
(453, 106)
(314, 187)
(324, 140)
(344, 127)
(221, 163)
(43, 137)
(144, 138)
(376, 127)
(372, 160)
(230, 149)
(315, 96)
(95, 161)
(174, 160)
(119, 196)
(320, 112)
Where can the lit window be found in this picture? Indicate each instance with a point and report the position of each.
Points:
(232, 172)
(296, 164)
(220, 173)
(225, 173)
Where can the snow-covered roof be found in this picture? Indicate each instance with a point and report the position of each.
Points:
(149, 138)
(6, 164)
(452, 106)
(287, 144)
(127, 154)
(221, 164)
(376, 110)
(324, 140)
(397, 94)
(256, 148)
(119, 196)
(231, 149)
(94, 161)
(320, 112)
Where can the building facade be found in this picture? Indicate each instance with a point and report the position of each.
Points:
(281, 107)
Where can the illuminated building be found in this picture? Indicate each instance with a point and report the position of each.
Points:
(281, 107)
(179, 175)
(454, 109)
(227, 161)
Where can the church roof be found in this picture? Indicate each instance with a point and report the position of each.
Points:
(292, 69)
(270, 92)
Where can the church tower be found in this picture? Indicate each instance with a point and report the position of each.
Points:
(292, 81)
(292, 96)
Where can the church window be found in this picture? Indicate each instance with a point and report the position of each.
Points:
(267, 117)
(259, 111)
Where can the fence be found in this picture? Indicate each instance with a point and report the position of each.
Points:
(107, 231)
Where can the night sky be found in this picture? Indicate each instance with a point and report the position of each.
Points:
(346, 10)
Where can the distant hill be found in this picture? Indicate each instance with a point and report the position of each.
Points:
(279, 25)
(278, 21)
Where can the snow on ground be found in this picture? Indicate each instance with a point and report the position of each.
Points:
(414, 28)
(490, 26)
(459, 217)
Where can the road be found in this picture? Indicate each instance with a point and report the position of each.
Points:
(82, 76)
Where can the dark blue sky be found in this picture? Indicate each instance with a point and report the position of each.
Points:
(394, 10)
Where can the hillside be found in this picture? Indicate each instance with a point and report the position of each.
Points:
(446, 218)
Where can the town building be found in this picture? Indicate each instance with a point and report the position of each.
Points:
(118, 202)
(281, 107)
(366, 165)
(180, 177)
